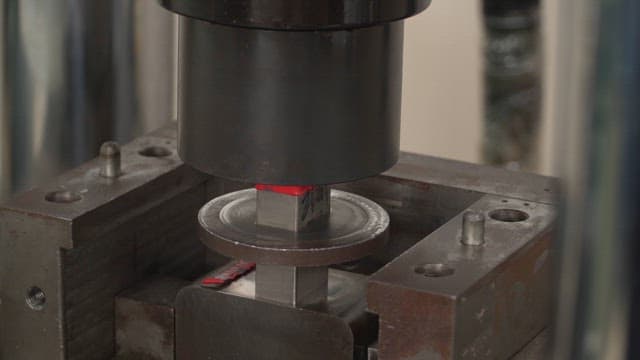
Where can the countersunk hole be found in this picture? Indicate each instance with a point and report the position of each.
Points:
(509, 215)
(155, 151)
(36, 298)
(434, 270)
(63, 196)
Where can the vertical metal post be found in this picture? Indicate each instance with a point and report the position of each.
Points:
(306, 209)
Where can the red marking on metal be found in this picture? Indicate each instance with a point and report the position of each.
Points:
(212, 281)
(296, 190)
(228, 274)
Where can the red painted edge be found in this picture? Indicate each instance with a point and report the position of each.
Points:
(296, 190)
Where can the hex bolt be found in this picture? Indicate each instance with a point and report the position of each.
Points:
(473, 228)
(110, 156)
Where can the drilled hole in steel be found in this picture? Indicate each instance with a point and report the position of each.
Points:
(155, 151)
(63, 196)
(434, 270)
(36, 298)
(509, 215)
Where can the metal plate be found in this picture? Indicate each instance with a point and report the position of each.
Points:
(444, 300)
(357, 227)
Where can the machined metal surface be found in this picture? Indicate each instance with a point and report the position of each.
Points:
(64, 259)
(290, 108)
(248, 328)
(288, 15)
(444, 300)
(303, 212)
(84, 238)
(294, 285)
(357, 227)
(145, 320)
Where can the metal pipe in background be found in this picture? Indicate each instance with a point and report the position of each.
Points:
(512, 78)
(76, 73)
(598, 117)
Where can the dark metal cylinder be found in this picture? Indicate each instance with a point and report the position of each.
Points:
(289, 107)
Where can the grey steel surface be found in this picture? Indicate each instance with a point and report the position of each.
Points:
(306, 212)
(472, 177)
(290, 108)
(93, 239)
(357, 227)
(76, 73)
(291, 15)
(460, 302)
(297, 286)
(241, 327)
(537, 349)
(302, 213)
(145, 320)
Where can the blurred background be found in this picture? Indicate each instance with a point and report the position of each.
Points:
(444, 89)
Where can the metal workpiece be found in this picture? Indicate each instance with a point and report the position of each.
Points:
(290, 108)
(67, 249)
(293, 285)
(289, 15)
(357, 227)
(305, 209)
(304, 212)
(468, 302)
(233, 324)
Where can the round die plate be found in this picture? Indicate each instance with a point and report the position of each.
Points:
(357, 227)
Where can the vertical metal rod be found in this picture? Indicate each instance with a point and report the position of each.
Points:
(473, 228)
(110, 156)
(295, 209)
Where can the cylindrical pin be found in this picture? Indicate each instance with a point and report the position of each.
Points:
(473, 228)
(110, 156)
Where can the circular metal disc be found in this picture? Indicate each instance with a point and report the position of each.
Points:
(357, 227)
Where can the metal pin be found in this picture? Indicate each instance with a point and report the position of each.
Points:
(110, 156)
(473, 228)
